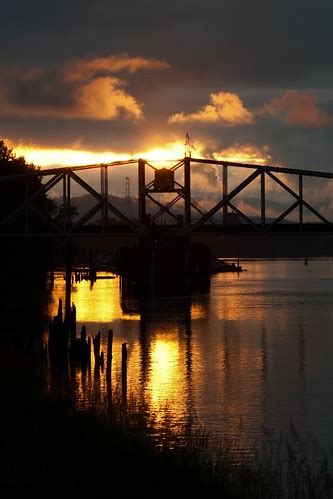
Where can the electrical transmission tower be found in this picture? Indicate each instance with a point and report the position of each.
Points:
(128, 204)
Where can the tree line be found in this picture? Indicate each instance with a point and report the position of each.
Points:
(14, 193)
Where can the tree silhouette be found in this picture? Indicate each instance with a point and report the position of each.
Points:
(71, 213)
(14, 193)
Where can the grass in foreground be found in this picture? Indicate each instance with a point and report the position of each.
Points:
(50, 450)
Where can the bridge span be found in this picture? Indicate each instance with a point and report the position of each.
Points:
(167, 208)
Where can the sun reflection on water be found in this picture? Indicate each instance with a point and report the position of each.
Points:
(189, 357)
(166, 387)
(94, 303)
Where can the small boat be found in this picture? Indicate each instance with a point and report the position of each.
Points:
(220, 265)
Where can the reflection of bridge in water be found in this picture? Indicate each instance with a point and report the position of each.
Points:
(224, 225)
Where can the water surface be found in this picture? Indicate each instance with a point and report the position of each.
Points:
(253, 352)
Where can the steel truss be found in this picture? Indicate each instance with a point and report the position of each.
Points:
(180, 189)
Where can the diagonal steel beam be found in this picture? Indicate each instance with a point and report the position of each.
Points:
(193, 203)
(173, 168)
(48, 220)
(151, 166)
(104, 202)
(241, 214)
(282, 216)
(87, 216)
(315, 212)
(282, 184)
(177, 165)
(299, 198)
(43, 190)
(64, 169)
(227, 198)
(164, 208)
(198, 207)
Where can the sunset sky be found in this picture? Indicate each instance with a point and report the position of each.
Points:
(85, 82)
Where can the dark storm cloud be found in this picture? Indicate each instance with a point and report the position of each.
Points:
(82, 88)
(256, 50)
(237, 40)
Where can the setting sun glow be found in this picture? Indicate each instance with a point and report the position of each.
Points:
(52, 157)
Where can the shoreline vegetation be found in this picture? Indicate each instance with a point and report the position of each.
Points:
(49, 449)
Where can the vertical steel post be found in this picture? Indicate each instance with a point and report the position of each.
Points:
(106, 190)
(300, 201)
(64, 201)
(103, 197)
(263, 201)
(68, 200)
(187, 191)
(225, 191)
(142, 191)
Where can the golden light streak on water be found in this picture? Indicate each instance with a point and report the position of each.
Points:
(246, 355)
(166, 387)
(97, 303)
(208, 355)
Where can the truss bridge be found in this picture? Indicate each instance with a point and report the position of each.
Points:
(202, 199)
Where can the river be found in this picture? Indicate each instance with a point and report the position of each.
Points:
(250, 354)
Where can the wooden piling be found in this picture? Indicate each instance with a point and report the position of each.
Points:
(60, 308)
(124, 370)
(84, 334)
(72, 324)
(99, 356)
(89, 347)
(109, 352)
(109, 369)
(97, 345)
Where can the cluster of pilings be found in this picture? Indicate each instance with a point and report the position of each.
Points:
(84, 275)
(65, 345)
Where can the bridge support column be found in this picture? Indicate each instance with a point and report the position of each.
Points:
(64, 201)
(104, 195)
(68, 200)
(300, 206)
(225, 192)
(263, 202)
(187, 191)
(106, 191)
(142, 191)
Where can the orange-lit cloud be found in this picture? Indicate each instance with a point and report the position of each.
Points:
(224, 108)
(84, 89)
(245, 153)
(297, 109)
(207, 178)
(81, 69)
(103, 98)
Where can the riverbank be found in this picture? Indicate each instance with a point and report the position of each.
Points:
(50, 450)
